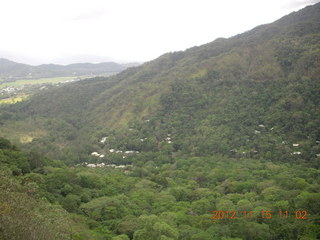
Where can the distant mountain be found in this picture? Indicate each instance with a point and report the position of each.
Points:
(10, 70)
(253, 95)
(83, 68)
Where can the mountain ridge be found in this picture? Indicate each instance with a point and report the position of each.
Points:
(212, 95)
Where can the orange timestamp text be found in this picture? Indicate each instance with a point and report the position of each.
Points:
(259, 215)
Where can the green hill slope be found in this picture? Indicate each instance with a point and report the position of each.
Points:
(254, 95)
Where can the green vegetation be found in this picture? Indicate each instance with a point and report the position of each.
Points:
(19, 90)
(11, 100)
(230, 126)
(211, 98)
(158, 199)
(22, 82)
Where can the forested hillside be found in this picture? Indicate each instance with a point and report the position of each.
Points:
(232, 126)
(254, 94)
(156, 199)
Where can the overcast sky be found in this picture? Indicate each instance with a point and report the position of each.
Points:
(63, 31)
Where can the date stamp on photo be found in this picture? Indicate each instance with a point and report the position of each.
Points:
(219, 215)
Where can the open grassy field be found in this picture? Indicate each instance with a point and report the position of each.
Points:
(22, 82)
(25, 86)
(53, 80)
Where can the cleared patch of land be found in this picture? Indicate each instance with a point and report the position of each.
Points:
(23, 131)
(22, 82)
(19, 90)
(11, 100)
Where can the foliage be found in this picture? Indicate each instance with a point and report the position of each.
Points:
(230, 126)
